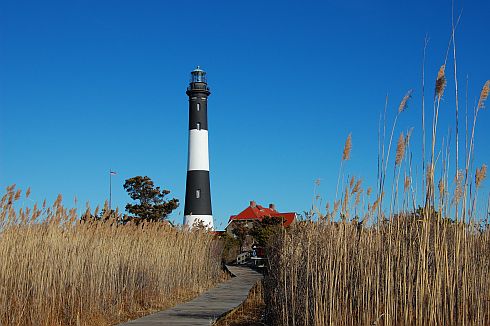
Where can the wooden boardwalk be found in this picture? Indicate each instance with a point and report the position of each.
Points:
(207, 308)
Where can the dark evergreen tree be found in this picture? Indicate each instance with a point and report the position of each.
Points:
(151, 204)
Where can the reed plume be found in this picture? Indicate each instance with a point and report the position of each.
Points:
(404, 103)
(441, 187)
(406, 183)
(345, 157)
(429, 175)
(347, 148)
(376, 202)
(484, 95)
(358, 197)
(458, 189)
(351, 182)
(440, 82)
(17, 194)
(400, 149)
(400, 153)
(357, 187)
(480, 175)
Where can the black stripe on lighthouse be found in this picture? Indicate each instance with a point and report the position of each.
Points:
(198, 193)
(198, 112)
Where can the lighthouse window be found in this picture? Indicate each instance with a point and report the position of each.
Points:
(198, 106)
(198, 193)
(198, 126)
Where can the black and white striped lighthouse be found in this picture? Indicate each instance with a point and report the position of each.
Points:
(198, 193)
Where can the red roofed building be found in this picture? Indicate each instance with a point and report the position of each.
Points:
(256, 212)
(241, 226)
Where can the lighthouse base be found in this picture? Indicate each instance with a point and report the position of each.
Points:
(196, 220)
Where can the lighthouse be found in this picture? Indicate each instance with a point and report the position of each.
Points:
(197, 208)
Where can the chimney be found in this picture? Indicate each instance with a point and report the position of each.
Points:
(252, 203)
(272, 206)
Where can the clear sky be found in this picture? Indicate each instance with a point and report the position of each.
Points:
(86, 86)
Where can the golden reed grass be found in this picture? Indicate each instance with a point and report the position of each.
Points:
(57, 270)
(408, 267)
(403, 272)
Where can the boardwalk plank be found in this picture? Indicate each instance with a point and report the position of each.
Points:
(209, 306)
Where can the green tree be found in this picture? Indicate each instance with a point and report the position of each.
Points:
(151, 204)
(240, 231)
(231, 248)
(263, 230)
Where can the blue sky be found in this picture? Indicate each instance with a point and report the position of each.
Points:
(86, 86)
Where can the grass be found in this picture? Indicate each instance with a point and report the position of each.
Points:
(407, 271)
(401, 262)
(58, 270)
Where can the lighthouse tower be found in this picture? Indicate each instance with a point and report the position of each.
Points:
(197, 193)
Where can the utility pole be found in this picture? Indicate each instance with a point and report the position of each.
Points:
(111, 173)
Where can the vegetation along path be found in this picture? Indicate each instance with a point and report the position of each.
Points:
(208, 307)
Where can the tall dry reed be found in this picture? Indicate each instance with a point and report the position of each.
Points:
(404, 272)
(385, 266)
(57, 270)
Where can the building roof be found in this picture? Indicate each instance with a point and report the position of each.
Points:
(258, 212)
(217, 233)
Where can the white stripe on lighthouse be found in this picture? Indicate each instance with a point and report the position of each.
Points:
(198, 150)
(193, 220)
